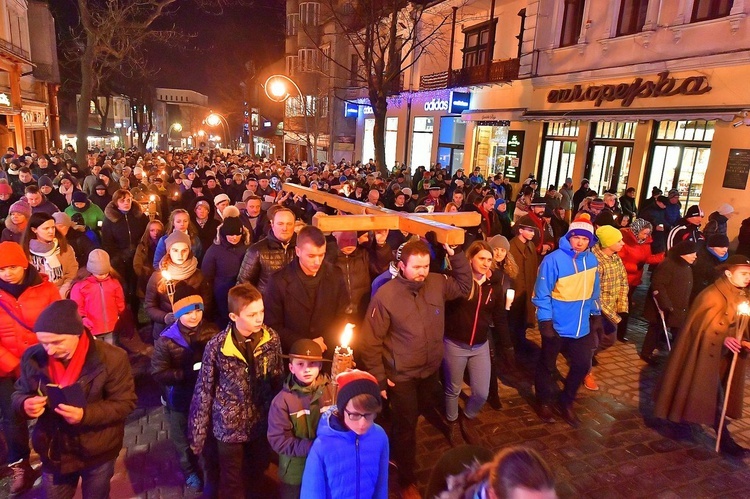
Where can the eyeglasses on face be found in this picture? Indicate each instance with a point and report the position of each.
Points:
(356, 416)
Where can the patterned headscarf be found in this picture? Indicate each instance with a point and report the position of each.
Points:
(638, 225)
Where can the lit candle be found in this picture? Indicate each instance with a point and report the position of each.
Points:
(510, 295)
(152, 198)
(170, 285)
(343, 356)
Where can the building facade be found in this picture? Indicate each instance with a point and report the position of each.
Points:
(624, 93)
(179, 120)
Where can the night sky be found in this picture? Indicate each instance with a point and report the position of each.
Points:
(213, 61)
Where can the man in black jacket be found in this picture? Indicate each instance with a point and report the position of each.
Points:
(80, 430)
(272, 253)
(307, 299)
(402, 344)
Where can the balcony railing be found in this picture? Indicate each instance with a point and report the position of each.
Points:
(499, 71)
(19, 52)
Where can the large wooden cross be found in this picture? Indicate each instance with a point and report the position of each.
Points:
(364, 216)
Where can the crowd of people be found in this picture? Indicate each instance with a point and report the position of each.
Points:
(244, 299)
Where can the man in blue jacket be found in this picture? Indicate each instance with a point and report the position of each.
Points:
(566, 296)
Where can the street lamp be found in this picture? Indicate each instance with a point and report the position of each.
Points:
(173, 126)
(214, 119)
(277, 89)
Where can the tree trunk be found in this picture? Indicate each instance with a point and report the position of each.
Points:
(379, 108)
(82, 121)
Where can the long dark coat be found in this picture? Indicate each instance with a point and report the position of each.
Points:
(672, 282)
(699, 362)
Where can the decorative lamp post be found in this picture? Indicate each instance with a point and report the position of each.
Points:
(277, 89)
(214, 120)
(174, 126)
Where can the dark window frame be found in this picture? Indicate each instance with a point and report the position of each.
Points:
(569, 37)
(714, 9)
(638, 12)
(480, 51)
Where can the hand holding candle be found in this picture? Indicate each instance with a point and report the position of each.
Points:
(510, 295)
(343, 356)
(170, 284)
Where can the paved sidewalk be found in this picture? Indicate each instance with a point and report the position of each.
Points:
(615, 453)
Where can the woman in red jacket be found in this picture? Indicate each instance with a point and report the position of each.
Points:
(24, 293)
(635, 254)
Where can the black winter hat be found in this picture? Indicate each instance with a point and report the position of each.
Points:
(231, 227)
(694, 211)
(685, 248)
(717, 241)
(60, 317)
(197, 183)
(353, 383)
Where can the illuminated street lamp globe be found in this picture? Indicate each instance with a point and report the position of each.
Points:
(201, 133)
(277, 89)
(213, 119)
(177, 127)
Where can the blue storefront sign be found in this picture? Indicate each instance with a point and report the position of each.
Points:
(459, 102)
(351, 110)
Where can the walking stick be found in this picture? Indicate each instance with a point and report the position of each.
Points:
(663, 322)
(744, 312)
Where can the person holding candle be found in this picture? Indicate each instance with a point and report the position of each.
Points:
(402, 344)
(349, 457)
(695, 379)
(295, 413)
(240, 373)
(177, 265)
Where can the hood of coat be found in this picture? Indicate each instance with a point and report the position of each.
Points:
(629, 238)
(114, 215)
(12, 227)
(331, 426)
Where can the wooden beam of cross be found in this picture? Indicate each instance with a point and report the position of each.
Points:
(364, 216)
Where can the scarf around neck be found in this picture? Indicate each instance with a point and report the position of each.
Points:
(181, 272)
(47, 258)
(66, 376)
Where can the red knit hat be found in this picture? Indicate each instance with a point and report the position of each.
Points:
(353, 383)
(11, 254)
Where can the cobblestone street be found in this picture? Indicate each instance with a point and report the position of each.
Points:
(615, 453)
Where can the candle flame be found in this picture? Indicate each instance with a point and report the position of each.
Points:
(346, 336)
(743, 308)
(166, 275)
(152, 198)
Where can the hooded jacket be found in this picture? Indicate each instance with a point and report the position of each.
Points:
(15, 338)
(91, 213)
(100, 303)
(11, 232)
(344, 465)
(634, 256)
(671, 285)
(567, 290)
(220, 268)
(207, 231)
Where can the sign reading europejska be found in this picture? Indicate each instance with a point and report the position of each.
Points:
(627, 92)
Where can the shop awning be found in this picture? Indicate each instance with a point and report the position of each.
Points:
(513, 114)
(626, 114)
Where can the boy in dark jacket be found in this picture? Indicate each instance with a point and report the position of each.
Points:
(295, 412)
(240, 373)
(175, 364)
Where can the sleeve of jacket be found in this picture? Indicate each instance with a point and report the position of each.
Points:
(545, 283)
(77, 296)
(281, 432)
(70, 269)
(159, 252)
(250, 268)
(374, 330)
(314, 476)
(200, 407)
(162, 369)
(595, 301)
(661, 280)
(109, 242)
(119, 296)
(24, 385)
(458, 284)
(623, 302)
(381, 486)
(208, 266)
(119, 392)
(151, 300)
(275, 314)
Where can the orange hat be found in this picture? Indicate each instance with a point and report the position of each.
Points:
(11, 254)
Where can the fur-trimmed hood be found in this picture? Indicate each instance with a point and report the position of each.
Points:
(12, 227)
(114, 215)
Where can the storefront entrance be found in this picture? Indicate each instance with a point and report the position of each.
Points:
(608, 162)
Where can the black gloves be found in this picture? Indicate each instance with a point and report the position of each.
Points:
(546, 329)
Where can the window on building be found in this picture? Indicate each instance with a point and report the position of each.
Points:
(558, 153)
(704, 10)
(308, 59)
(680, 158)
(608, 163)
(572, 22)
(353, 70)
(632, 17)
(309, 13)
(325, 59)
(291, 65)
(292, 23)
(421, 142)
(451, 139)
(477, 44)
(391, 135)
